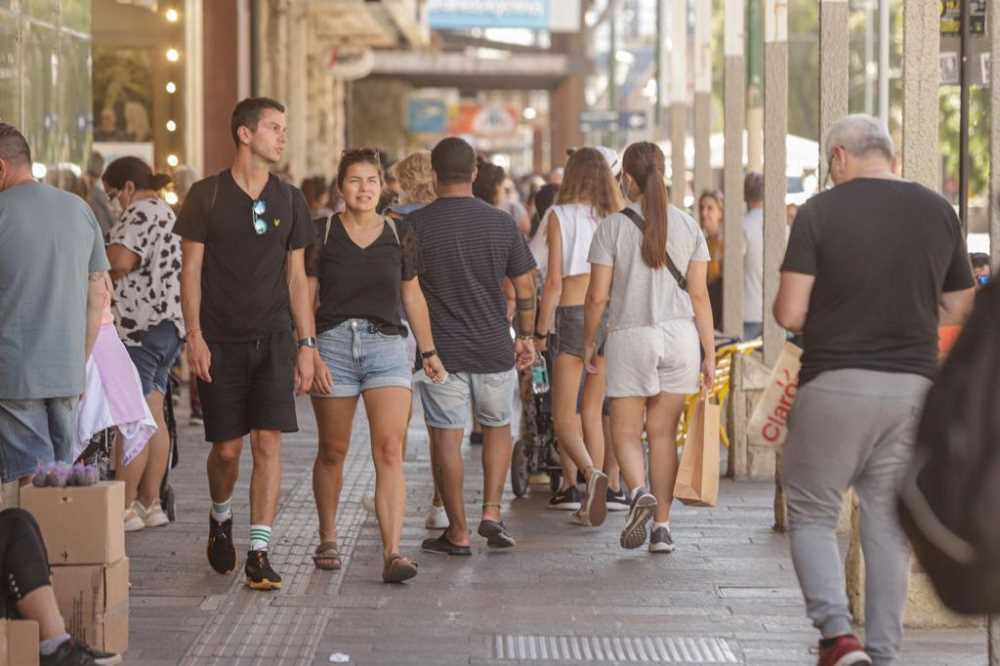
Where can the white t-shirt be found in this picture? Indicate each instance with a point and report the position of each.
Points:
(753, 266)
(151, 293)
(641, 296)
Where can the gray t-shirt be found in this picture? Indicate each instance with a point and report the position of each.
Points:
(641, 296)
(49, 243)
(753, 265)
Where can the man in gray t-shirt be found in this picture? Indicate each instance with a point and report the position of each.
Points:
(52, 268)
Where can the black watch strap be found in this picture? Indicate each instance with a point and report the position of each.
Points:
(309, 342)
(431, 353)
(540, 336)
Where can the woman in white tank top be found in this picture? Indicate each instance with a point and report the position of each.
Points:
(588, 194)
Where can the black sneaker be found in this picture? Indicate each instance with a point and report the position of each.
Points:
(221, 553)
(70, 653)
(634, 533)
(567, 499)
(103, 658)
(661, 541)
(617, 500)
(260, 575)
(496, 534)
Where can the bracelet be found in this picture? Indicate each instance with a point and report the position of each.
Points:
(430, 353)
(526, 337)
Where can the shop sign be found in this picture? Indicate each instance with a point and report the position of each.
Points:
(458, 14)
(426, 116)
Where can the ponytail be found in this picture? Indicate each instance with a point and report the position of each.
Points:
(645, 163)
(159, 180)
(133, 169)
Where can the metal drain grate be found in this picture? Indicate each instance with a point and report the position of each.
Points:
(621, 649)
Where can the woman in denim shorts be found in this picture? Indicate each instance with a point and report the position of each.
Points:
(588, 195)
(364, 267)
(145, 258)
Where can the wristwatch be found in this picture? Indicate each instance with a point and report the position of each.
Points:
(307, 342)
(430, 353)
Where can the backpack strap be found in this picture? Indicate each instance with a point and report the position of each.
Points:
(641, 224)
(391, 223)
(326, 232)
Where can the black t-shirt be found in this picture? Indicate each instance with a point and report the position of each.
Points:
(361, 283)
(244, 288)
(882, 252)
(467, 248)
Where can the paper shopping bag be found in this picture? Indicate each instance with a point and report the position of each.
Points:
(698, 474)
(768, 424)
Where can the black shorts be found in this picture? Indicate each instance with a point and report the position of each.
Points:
(253, 388)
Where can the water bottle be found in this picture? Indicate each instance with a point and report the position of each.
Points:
(539, 376)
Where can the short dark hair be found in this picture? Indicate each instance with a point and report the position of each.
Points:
(979, 259)
(129, 168)
(247, 114)
(453, 161)
(753, 187)
(13, 146)
(489, 177)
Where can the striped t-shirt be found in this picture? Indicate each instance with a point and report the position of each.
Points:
(467, 248)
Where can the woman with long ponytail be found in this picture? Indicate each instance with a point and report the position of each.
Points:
(650, 261)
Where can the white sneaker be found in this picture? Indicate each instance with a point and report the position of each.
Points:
(133, 521)
(154, 516)
(437, 518)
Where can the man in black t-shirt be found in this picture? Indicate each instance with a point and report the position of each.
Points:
(869, 266)
(243, 270)
(467, 248)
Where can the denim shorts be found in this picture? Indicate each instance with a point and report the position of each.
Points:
(361, 359)
(447, 405)
(569, 329)
(155, 354)
(33, 432)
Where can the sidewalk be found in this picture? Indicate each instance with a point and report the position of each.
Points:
(565, 595)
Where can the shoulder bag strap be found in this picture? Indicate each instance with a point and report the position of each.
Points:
(391, 223)
(641, 224)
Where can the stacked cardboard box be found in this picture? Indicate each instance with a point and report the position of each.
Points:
(18, 643)
(85, 538)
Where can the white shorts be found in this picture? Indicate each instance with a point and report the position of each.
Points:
(649, 360)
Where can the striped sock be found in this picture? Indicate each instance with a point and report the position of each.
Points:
(222, 511)
(260, 537)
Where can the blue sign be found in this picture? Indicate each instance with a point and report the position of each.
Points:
(455, 14)
(598, 121)
(633, 121)
(427, 116)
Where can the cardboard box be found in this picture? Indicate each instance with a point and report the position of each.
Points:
(80, 525)
(18, 643)
(93, 600)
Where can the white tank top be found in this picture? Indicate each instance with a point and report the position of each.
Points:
(577, 223)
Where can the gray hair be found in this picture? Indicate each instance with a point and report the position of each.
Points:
(860, 134)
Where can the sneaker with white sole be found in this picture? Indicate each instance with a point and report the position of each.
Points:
(133, 521)
(634, 533)
(594, 505)
(661, 540)
(617, 500)
(154, 516)
(567, 499)
(437, 518)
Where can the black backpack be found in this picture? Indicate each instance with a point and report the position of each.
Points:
(949, 500)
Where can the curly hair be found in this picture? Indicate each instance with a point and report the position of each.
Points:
(588, 180)
(416, 177)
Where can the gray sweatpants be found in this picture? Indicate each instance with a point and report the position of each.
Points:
(852, 428)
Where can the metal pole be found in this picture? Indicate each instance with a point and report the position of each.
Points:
(735, 113)
(883, 61)
(963, 132)
(869, 55)
(678, 101)
(613, 70)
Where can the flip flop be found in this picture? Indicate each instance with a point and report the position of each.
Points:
(398, 569)
(496, 534)
(327, 557)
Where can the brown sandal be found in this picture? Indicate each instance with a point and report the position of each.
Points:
(398, 569)
(327, 557)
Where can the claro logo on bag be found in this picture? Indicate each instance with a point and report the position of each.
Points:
(776, 425)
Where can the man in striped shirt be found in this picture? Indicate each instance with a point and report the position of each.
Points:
(467, 248)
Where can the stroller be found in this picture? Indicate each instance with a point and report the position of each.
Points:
(535, 452)
(100, 452)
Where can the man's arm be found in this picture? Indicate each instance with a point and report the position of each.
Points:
(97, 296)
(199, 357)
(792, 303)
(524, 321)
(302, 299)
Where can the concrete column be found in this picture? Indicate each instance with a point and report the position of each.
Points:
(702, 96)
(834, 44)
(679, 105)
(921, 78)
(775, 186)
(993, 633)
(567, 100)
(735, 112)
(297, 102)
(755, 84)
(261, 55)
(220, 57)
(279, 56)
(194, 80)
